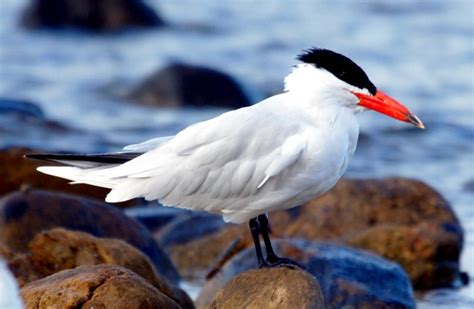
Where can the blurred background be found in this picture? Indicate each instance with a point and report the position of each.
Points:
(106, 75)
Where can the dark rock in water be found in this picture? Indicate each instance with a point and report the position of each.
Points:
(20, 107)
(281, 287)
(348, 277)
(59, 249)
(403, 220)
(24, 214)
(89, 15)
(188, 228)
(187, 85)
(156, 217)
(469, 185)
(18, 172)
(98, 286)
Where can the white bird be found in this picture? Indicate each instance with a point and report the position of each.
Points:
(274, 155)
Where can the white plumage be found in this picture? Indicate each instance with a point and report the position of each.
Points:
(273, 155)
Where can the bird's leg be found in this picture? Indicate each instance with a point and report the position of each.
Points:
(264, 230)
(272, 259)
(255, 230)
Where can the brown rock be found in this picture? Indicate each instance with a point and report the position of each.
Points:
(401, 219)
(270, 288)
(24, 214)
(20, 265)
(99, 286)
(18, 172)
(59, 249)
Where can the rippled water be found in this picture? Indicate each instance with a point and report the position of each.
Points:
(421, 52)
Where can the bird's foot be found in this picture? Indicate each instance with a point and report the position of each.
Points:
(275, 261)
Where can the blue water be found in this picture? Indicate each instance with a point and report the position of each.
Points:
(420, 52)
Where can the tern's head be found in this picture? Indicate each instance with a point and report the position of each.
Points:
(333, 75)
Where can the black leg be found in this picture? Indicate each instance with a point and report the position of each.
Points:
(272, 259)
(255, 230)
(264, 230)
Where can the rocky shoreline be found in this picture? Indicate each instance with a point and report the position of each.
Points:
(366, 243)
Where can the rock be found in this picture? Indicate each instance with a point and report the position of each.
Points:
(20, 107)
(59, 249)
(20, 265)
(270, 288)
(18, 172)
(403, 220)
(98, 286)
(24, 214)
(9, 296)
(156, 217)
(187, 85)
(348, 277)
(89, 15)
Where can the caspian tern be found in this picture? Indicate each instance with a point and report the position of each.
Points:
(274, 155)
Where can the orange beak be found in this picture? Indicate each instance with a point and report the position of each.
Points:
(384, 104)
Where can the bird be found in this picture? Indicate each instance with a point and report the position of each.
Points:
(243, 164)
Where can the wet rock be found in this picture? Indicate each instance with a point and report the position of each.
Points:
(403, 220)
(98, 286)
(347, 277)
(20, 107)
(24, 214)
(89, 15)
(270, 288)
(59, 249)
(155, 217)
(187, 85)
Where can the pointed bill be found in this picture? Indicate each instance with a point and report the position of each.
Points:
(386, 105)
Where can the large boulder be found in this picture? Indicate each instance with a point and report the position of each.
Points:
(401, 219)
(347, 277)
(98, 286)
(25, 214)
(282, 287)
(89, 15)
(187, 85)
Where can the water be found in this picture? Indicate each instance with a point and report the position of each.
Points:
(420, 52)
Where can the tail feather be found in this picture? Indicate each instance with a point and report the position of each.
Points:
(80, 176)
(84, 168)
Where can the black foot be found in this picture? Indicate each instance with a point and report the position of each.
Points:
(275, 261)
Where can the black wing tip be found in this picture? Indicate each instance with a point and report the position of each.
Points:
(106, 158)
(37, 156)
